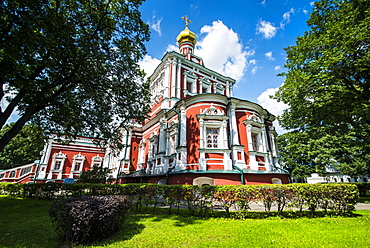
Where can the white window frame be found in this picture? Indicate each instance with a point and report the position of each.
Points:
(78, 158)
(58, 157)
(205, 84)
(96, 161)
(213, 118)
(192, 79)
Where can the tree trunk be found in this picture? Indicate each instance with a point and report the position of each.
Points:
(15, 129)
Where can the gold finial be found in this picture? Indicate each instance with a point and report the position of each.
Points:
(187, 21)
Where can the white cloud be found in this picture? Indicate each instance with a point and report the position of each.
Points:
(255, 69)
(171, 48)
(252, 62)
(305, 11)
(269, 56)
(222, 50)
(286, 18)
(156, 25)
(4, 104)
(273, 106)
(148, 64)
(267, 29)
(263, 2)
(277, 67)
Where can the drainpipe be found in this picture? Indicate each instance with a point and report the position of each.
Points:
(233, 165)
(241, 173)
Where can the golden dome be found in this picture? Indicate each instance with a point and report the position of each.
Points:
(186, 35)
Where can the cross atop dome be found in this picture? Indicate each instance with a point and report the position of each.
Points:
(186, 39)
(187, 21)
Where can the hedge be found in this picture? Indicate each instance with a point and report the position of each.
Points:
(339, 198)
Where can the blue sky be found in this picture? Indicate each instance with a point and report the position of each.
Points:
(242, 39)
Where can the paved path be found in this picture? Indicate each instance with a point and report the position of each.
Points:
(260, 207)
(363, 206)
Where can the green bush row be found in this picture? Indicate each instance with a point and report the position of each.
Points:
(200, 200)
(362, 188)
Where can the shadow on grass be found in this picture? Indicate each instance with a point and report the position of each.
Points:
(130, 229)
(185, 218)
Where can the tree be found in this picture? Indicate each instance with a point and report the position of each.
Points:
(327, 86)
(70, 66)
(25, 148)
(96, 175)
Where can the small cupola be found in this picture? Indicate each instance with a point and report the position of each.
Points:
(186, 39)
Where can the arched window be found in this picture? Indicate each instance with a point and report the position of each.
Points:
(276, 181)
(162, 182)
(203, 181)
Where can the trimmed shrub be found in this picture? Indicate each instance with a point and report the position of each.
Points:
(88, 218)
(362, 188)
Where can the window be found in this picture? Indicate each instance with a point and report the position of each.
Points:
(12, 174)
(25, 170)
(58, 161)
(212, 137)
(172, 140)
(189, 86)
(77, 166)
(97, 161)
(255, 142)
(2, 175)
(57, 165)
(276, 181)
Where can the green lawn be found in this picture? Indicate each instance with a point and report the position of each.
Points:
(25, 223)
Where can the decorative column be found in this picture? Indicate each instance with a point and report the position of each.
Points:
(182, 154)
(201, 131)
(166, 82)
(224, 140)
(272, 136)
(252, 154)
(162, 136)
(264, 147)
(173, 78)
(228, 90)
(234, 128)
(178, 80)
(183, 127)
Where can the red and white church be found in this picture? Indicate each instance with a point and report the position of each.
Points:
(197, 133)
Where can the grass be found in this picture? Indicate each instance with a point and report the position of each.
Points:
(25, 223)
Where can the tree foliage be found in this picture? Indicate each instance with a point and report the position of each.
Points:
(71, 66)
(25, 148)
(95, 175)
(327, 88)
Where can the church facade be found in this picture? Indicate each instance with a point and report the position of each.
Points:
(197, 133)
